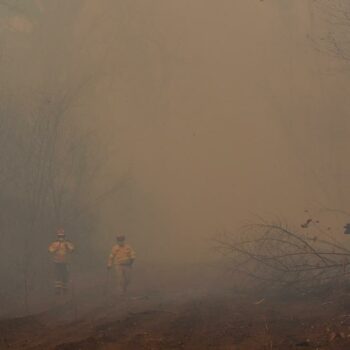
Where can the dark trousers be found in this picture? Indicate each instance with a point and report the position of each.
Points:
(61, 276)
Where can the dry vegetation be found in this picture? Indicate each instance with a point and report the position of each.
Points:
(287, 258)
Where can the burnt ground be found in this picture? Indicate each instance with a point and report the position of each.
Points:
(185, 319)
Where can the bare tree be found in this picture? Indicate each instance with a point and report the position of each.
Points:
(333, 35)
(50, 160)
(282, 256)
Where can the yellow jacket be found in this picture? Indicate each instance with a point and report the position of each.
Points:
(60, 250)
(121, 255)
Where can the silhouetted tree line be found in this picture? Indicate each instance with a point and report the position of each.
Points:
(49, 157)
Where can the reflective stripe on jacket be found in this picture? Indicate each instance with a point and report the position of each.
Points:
(121, 255)
(60, 250)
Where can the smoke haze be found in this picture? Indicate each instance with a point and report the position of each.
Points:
(195, 115)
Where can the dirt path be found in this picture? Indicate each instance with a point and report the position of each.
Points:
(182, 313)
(186, 321)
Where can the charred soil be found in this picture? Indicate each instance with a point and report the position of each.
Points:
(188, 321)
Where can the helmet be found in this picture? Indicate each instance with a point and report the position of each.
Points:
(120, 238)
(60, 232)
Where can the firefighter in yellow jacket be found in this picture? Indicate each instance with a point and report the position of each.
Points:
(122, 258)
(60, 251)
